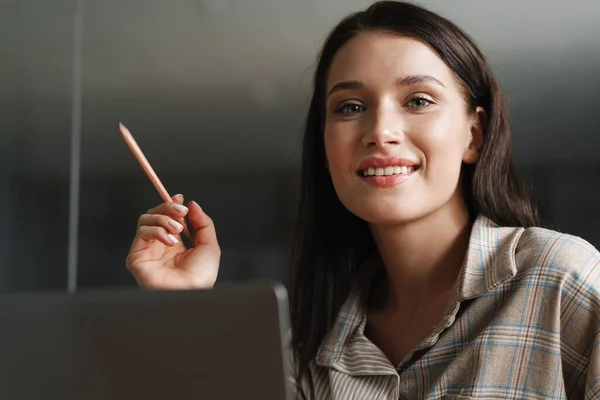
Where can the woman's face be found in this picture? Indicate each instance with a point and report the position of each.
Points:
(397, 129)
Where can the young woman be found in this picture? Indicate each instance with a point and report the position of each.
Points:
(418, 270)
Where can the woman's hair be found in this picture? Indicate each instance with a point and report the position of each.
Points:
(330, 242)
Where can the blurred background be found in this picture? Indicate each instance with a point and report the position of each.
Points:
(215, 92)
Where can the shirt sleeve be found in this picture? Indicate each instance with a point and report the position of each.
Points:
(585, 320)
(592, 385)
(578, 269)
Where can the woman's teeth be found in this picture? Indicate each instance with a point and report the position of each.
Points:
(387, 171)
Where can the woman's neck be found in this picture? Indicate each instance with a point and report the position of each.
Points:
(423, 258)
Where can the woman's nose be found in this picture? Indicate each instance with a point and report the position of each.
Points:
(384, 130)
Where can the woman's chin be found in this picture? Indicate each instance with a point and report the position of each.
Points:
(387, 216)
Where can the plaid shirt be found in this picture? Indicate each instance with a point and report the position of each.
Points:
(523, 323)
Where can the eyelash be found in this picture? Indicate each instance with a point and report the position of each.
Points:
(421, 98)
(343, 108)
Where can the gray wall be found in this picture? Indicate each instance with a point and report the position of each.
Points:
(215, 93)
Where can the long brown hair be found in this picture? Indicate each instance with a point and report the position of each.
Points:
(331, 243)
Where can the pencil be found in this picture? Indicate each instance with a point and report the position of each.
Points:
(137, 152)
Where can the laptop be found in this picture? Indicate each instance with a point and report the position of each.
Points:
(225, 343)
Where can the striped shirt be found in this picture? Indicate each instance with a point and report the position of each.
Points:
(522, 323)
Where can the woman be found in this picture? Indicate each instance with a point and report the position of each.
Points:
(417, 269)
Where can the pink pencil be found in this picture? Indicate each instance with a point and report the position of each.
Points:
(137, 152)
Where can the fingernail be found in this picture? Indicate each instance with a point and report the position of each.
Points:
(175, 225)
(172, 239)
(177, 196)
(180, 208)
(197, 205)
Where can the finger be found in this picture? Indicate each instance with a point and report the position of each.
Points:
(203, 225)
(171, 208)
(166, 222)
(178, 198)
(149, 233)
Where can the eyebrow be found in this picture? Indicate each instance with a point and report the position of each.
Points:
(404, 81)
(417, 79)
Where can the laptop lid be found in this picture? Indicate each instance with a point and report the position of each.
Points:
(225, 343)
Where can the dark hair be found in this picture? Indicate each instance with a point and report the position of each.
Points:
(330, 242)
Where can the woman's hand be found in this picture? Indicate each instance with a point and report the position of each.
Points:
(159, 260)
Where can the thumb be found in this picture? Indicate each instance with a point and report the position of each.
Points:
(203, 225)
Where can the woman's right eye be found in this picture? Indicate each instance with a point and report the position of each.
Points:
(349, 109)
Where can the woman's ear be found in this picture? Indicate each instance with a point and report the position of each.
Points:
(475, 142)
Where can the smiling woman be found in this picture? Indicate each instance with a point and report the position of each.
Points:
(405, 110)
(418, 270)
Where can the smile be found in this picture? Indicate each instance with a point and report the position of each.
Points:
(386, 177)
(388, 171)
(385, 172)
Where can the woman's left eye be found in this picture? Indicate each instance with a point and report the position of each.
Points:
(419, 102)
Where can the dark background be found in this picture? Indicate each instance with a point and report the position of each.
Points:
(215, 93)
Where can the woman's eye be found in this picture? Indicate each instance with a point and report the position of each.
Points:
(349, 109)
(419, 102)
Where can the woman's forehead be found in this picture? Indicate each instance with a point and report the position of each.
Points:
(384, 57)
